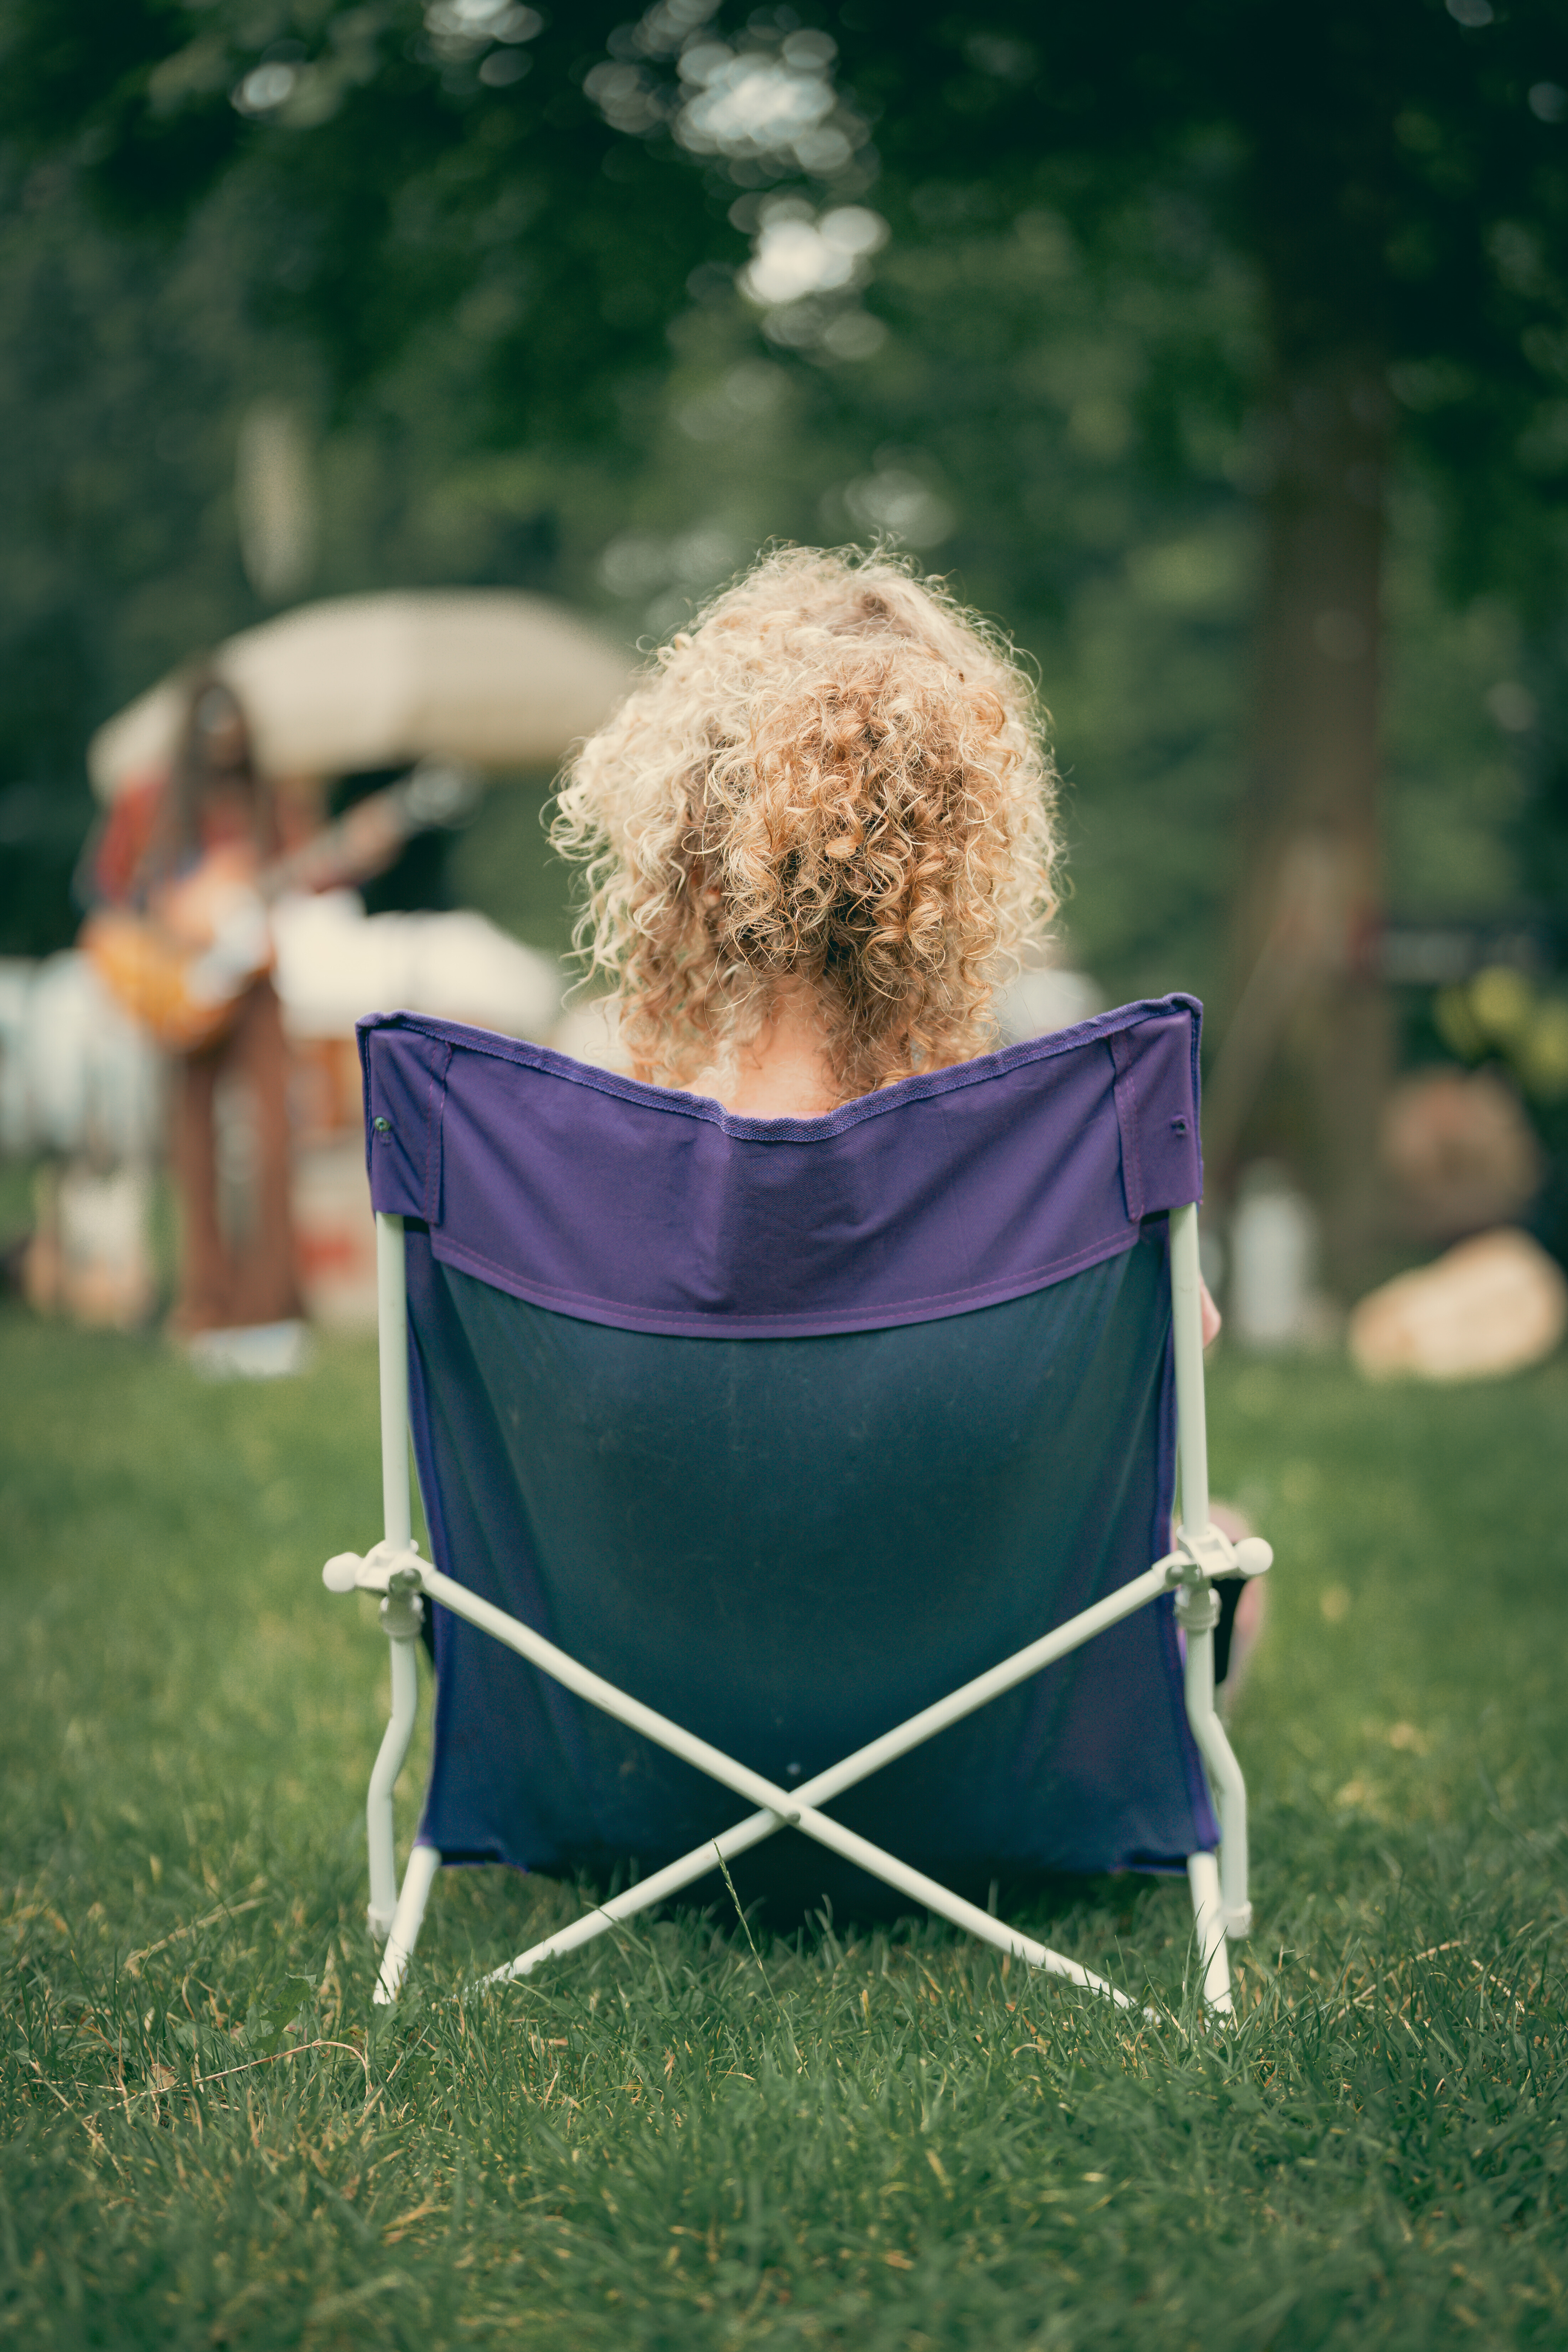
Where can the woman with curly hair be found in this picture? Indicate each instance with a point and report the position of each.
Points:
(817, 834)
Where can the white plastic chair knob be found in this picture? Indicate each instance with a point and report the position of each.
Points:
(1253, 1556)
(340, 1573)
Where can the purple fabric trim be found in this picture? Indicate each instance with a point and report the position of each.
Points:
(1126, 1093)
(651, 1210)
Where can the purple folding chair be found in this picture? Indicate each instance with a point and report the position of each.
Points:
(801, 1461)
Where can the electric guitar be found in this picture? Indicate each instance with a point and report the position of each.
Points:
(183, 968)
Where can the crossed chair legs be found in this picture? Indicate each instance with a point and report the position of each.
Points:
(1220, 1903)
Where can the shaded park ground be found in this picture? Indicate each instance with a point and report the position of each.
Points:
(673, 2139)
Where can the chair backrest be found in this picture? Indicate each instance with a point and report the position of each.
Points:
(790, 1426)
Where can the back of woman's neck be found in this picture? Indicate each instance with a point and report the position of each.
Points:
(784, 1071)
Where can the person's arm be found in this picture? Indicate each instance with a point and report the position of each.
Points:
(1212, 1317)
(106, 873)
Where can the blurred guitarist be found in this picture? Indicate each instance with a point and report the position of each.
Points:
(184, 854)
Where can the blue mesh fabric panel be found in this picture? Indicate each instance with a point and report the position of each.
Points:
(790, 1545)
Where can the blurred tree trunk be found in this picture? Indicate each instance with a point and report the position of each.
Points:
(1303, 1065)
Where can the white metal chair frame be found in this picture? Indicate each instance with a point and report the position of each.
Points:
(1201, 1554)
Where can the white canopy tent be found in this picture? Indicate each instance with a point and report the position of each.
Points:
(484, 674)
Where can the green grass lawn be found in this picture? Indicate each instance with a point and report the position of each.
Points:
(890, 2140)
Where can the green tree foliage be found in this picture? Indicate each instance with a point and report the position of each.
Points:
(597, 303)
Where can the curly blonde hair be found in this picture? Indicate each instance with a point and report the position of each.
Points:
(836, 775)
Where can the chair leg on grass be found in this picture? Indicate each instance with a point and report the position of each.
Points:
(417, 1881)
(1220, 1903)
(401, 1614)
(1208, 1921)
